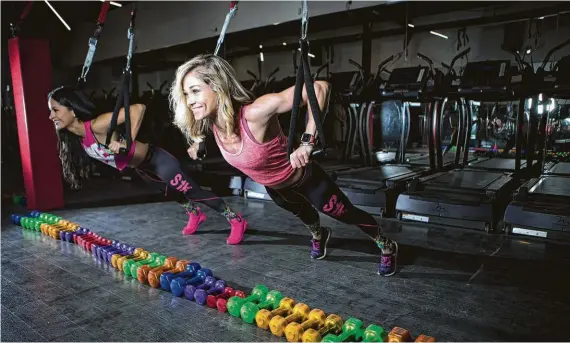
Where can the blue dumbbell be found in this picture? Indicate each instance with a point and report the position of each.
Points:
(177, 285)
(166, 278)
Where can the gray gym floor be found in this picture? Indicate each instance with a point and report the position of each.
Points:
(455, 286)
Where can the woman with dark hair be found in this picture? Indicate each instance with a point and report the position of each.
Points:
(80, 132)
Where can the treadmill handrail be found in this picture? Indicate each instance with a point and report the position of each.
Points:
(550, 52)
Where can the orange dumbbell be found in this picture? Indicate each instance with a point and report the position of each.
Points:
(142, 271)
(425, 338)
(399, 335)
(154, 274)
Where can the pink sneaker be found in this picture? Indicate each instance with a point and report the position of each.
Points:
(194, 221)
(239, 225)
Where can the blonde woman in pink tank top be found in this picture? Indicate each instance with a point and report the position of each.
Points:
(206, 95)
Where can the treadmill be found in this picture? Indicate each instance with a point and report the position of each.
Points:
(375, 188)
(448, 160)
(541, 206)
(467, 198)
(348, 85)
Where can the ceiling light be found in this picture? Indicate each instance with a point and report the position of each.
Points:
(528, 51)
(57, 14)
(260, 46)
(308, 54)
(438, 34)
(541, 18)
(114, 3)
(284, 43)
(261, 56)
(411, 25)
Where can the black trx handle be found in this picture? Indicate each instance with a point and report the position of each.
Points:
(124, 94)
(304, 77)
(123, 100)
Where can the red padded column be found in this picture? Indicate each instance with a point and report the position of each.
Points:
(31, 70)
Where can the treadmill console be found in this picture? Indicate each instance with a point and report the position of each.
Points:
(556, 82)
(406, 83)
(348, 84)
(491, 77)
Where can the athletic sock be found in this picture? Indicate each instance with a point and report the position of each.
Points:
(190, 207)
(315, 230)
(229, 213)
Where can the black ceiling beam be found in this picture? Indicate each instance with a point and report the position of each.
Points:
(523, 15)
(241, 39)
(384, 12)
(152, 60)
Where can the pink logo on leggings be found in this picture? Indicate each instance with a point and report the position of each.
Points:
(334, 208)
(180, 184)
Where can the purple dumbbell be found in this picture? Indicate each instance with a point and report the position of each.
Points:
(68, 235)
(79, 232)
(189, 290)
(115, 247)
(124, 250)
(201, 295)
(98, 249)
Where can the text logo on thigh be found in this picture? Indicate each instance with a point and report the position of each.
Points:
(180, 184)
(334, 207)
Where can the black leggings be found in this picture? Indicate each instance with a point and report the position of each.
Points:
(165, 169)
(317, 190)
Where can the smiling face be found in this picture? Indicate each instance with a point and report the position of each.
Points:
(62, 116)
(200, 98)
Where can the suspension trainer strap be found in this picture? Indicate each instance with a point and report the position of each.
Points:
(229, 16)
(233, 9)
(15, 28)
(305, 78)
(123, 99)
(93, 43)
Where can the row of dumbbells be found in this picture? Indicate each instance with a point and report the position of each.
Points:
(283, 316)
(269, 310)
(182, 278)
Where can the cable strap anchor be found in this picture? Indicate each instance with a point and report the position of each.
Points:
(229, 16)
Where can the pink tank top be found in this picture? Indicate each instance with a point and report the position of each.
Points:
(99, 152)
(267, 163)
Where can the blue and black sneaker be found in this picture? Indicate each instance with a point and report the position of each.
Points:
(319, 249)
(387, 266)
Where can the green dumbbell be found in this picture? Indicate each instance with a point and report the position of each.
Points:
(158, 261)
(374, 333)
(235, 303)
(249, 310)
(128, 263)
(23, 222)
(351, 332)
